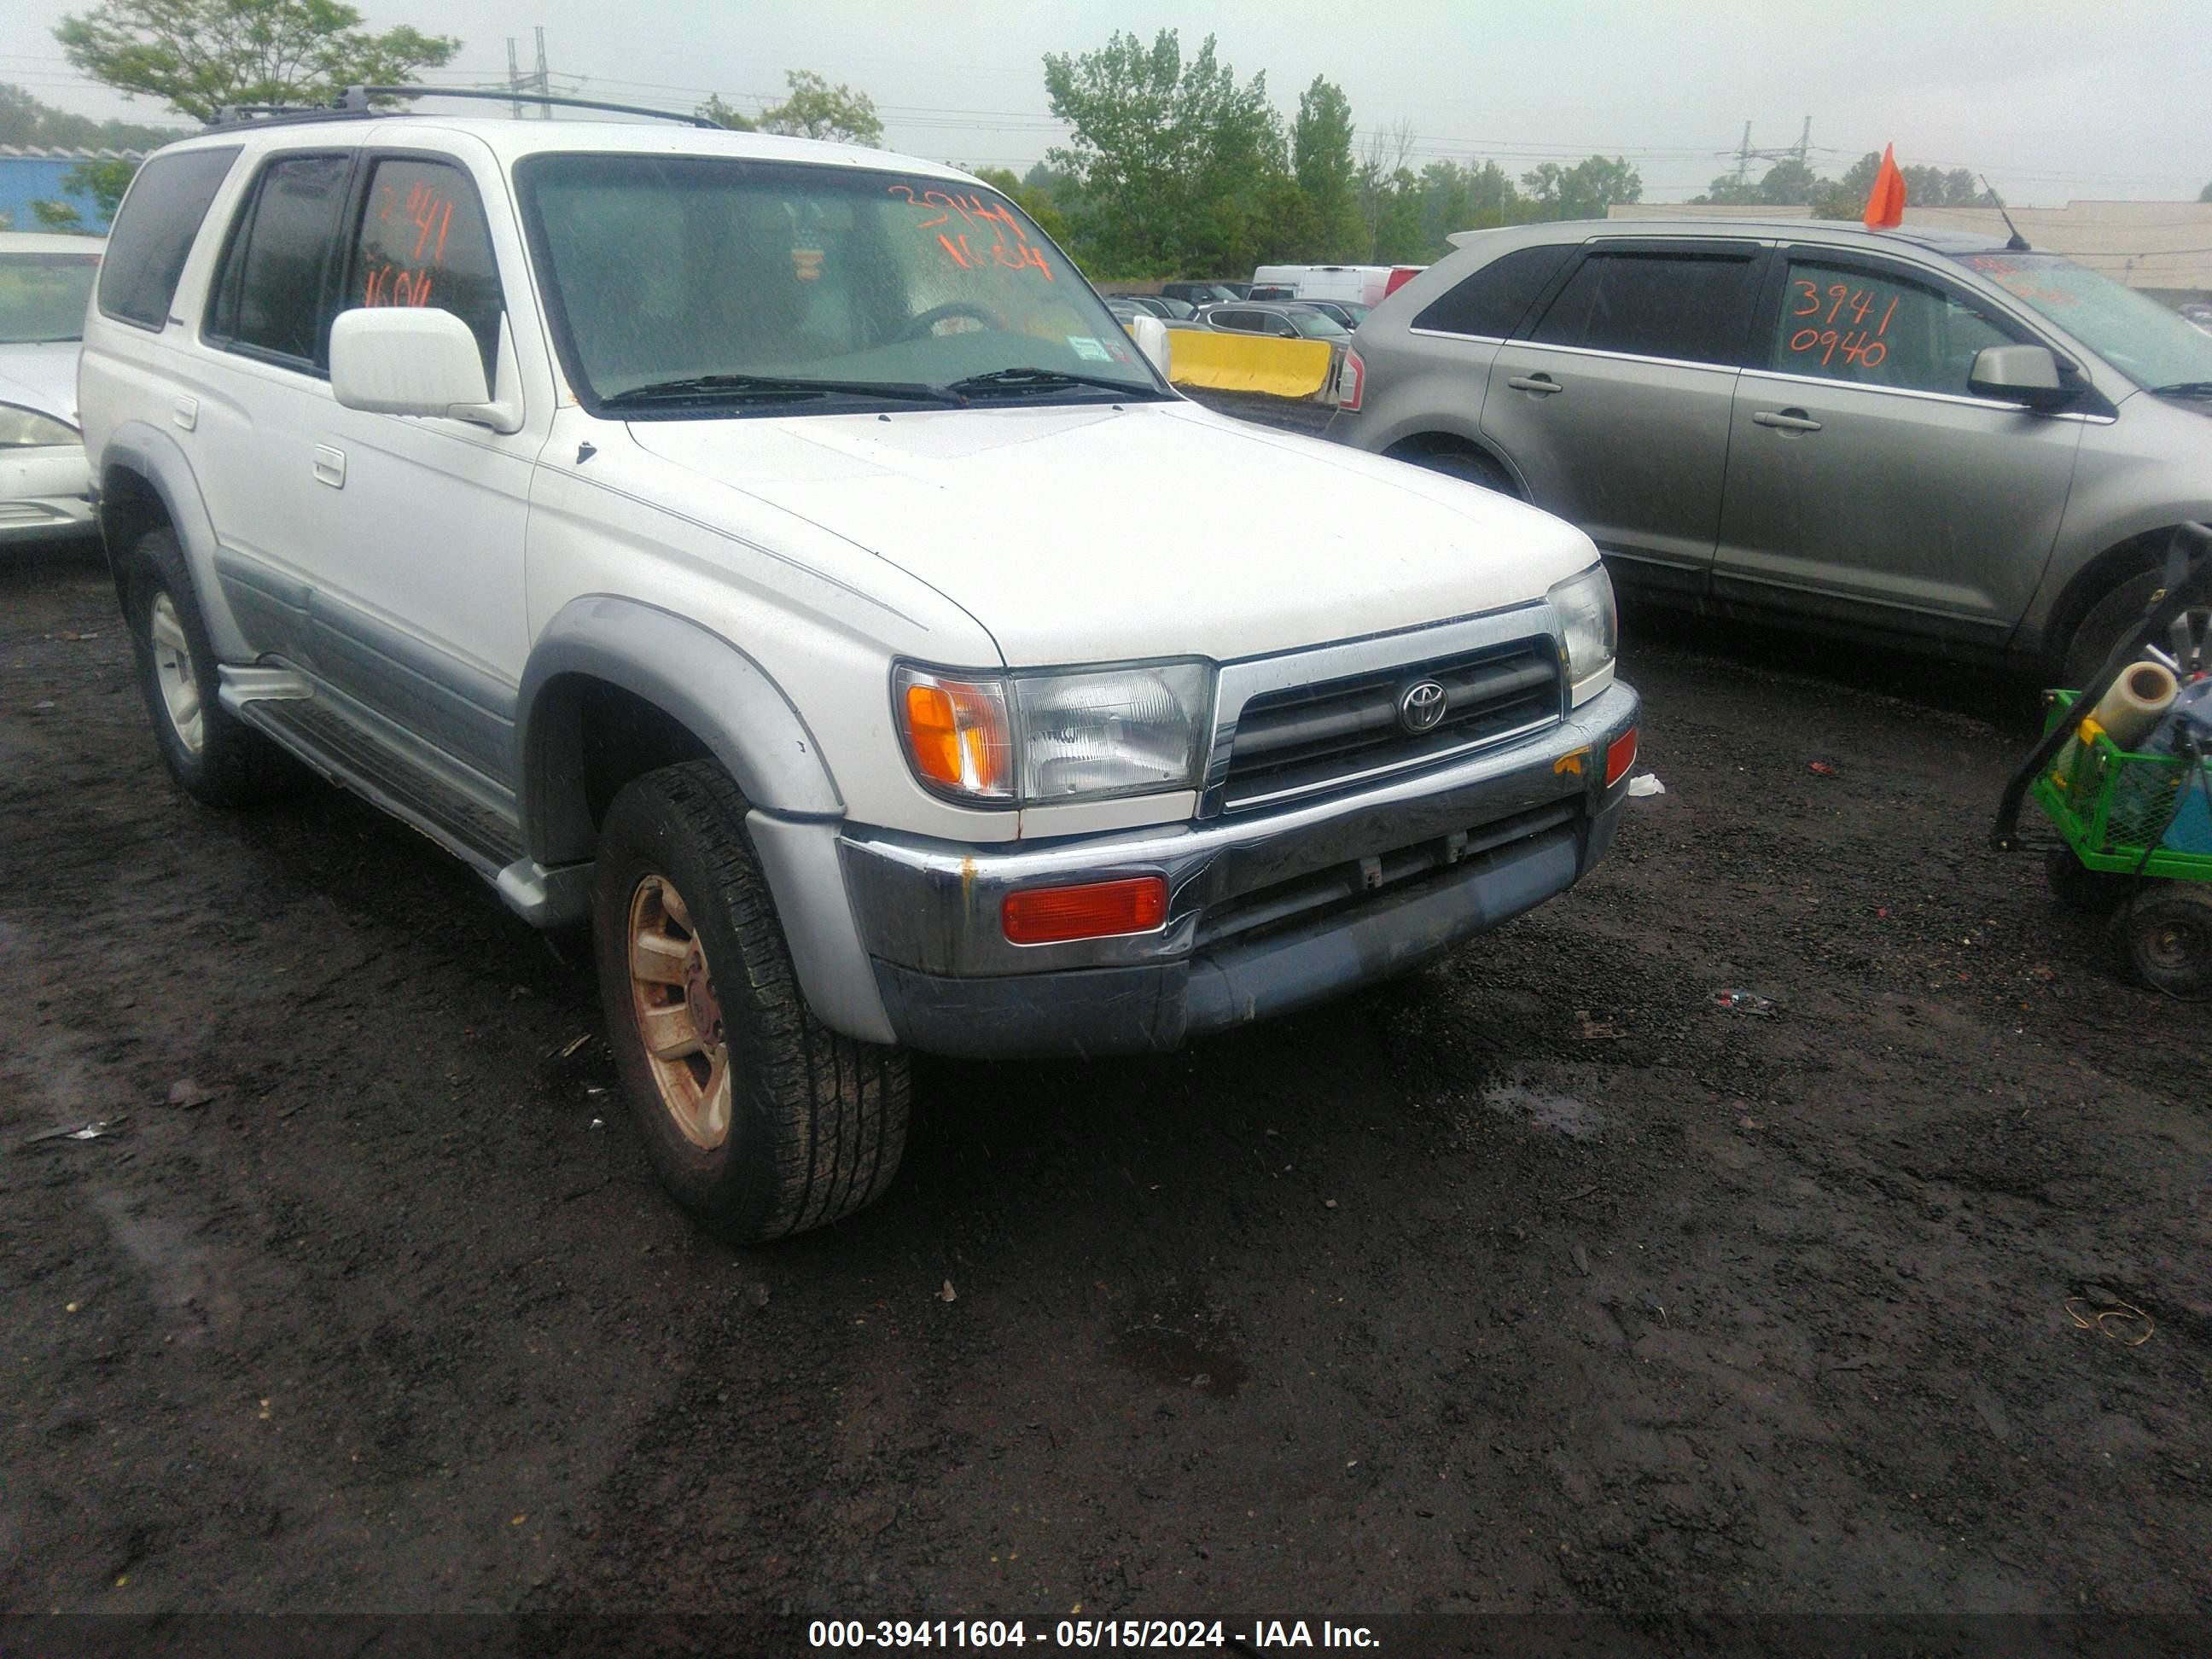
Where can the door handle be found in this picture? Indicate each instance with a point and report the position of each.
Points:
(330, 466)
(1542, 385)
(186, 412)
(1785, 420)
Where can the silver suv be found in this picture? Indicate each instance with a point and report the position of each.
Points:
(1929, 438)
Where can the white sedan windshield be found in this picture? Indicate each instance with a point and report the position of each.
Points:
(689, 282)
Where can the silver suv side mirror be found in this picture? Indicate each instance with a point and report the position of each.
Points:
(399, 360)
(2021, 375)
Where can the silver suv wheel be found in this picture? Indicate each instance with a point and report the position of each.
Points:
(173, 669)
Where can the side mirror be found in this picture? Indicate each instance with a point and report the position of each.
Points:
(1150, 335)
(2020, 374)
(402, 360)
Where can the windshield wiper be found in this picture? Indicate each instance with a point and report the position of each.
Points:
(703, 388)
(1015, 380)
(2185, 389)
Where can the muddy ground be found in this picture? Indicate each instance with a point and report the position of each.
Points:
(1534, 1283)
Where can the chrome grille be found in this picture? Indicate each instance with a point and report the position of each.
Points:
(1299, 740)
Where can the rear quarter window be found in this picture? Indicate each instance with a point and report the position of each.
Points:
(153, 234)
(1692, 307)
(1492, 300)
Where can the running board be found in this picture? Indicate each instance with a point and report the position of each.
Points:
(283, 705)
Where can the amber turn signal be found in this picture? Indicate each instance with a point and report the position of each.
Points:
(956, 731)
(1098, 910)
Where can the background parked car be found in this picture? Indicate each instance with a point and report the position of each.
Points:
(1128, 307)
(1923, 436)
(1203, 294)
(1284, 321)
(45, 283)
(2200, 315)
(1347, 314)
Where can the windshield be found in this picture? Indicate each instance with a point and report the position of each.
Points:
(1314, 325)
(2153, 346)
(43, 295)
(700, 283)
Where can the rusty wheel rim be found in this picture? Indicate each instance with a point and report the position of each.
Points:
(173, 672)
(679, 1016)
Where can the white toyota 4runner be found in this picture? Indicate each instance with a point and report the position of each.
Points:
(775, 555)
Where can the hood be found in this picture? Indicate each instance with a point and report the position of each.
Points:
(42, 377)
(1082, 533)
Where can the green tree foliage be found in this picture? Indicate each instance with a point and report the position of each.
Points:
(815, 109)
(1925, 186)
(1583, 190)
(1327, 175)
(104, 181)
(2205, 194)
(198, 55)
(57, 216)
(1179, 166)
(25, 120)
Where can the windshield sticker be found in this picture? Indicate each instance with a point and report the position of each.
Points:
(1817, 310)
(977, 218)
(1090, 348)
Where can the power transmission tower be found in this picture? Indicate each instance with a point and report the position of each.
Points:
(513, 77)
(1742, 153)
(544, 81)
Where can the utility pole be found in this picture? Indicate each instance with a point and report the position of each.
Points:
(513, 77)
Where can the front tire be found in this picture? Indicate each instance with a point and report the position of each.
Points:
(759, 1120)
(2113, 618)
(214, 756)
(1455, 463)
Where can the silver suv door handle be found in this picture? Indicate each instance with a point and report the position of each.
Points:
(1544, 384)
(330, 466)
(1785, 420)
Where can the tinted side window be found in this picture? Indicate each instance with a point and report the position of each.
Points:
(153, 234)
(1691, 305)
(424, 242)
(1493, 301)
(270, 295)
(1240, 320)
(1877, 329)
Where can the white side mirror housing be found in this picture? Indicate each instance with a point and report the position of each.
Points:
(402, 360)
(1150, 335)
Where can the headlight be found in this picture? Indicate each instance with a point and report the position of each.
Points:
(25, 428)
(1036, 740)
(1588, 630)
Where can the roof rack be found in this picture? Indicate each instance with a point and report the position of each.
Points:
(357, 103)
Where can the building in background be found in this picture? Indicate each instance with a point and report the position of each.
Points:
(2164, 248)
(29, 175)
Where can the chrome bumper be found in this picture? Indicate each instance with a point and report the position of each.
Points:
(1266, 910)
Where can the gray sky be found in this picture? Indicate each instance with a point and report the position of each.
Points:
(2054, 100)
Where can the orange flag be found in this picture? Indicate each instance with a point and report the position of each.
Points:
(1884, 208)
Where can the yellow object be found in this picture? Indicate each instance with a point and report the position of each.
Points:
(1247, 362)
(1567, 763)
(2127, 713)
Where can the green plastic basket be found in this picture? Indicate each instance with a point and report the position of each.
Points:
(2112, 805)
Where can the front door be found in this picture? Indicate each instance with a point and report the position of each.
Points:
(1613, 405)
(1866, 484)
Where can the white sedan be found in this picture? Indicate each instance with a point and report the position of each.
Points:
(45, 281)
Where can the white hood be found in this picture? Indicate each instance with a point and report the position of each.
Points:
(42, 377)
(1082, 533)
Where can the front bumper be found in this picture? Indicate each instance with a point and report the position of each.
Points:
(1267, 911)
(44, 494)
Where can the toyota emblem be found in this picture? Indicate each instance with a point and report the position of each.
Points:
(1421, 706)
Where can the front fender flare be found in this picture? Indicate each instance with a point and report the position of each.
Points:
(137, 448)
(690, 673)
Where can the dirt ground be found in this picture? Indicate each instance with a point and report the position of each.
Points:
(1534, 1283)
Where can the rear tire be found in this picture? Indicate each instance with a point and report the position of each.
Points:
(759, 1120)
(2167, 931)
(214, 756)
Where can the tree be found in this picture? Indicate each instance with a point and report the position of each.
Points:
(1925, 186)
(24, 120)
(1583, 190)
(1180, 166)
(725, 115)
(1328, 177)
(1032, 199)
(198, 55)
(2205, 194)
(816, 109)
(104, 180)
(57, 216)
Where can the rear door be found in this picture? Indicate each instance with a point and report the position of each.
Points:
(1615, 404)
(1867, 485)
